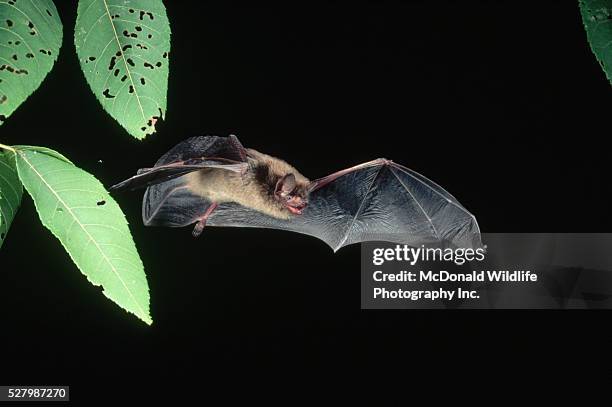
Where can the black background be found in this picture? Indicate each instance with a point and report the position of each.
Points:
(502, 103)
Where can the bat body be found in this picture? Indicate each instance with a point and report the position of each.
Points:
(215, 181)
(254, 188)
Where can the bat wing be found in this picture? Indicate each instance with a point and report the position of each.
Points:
(375, 201)
(193, 154)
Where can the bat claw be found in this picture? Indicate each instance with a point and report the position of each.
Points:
(201, 224)
(198, 228)
(384, 161)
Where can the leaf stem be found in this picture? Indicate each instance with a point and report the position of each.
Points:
(8, 148)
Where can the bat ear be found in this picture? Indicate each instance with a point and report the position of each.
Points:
(286, 184)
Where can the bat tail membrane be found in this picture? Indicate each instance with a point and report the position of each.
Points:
(172, 204)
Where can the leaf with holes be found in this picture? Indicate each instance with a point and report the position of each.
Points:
(10, 192)
(76, 208)
(30, 40)
(123, 48)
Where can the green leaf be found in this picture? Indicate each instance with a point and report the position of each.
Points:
(597, 20)
(78, 210)
(10, 192)
(123, 48)
(30, 40)
(44, 150)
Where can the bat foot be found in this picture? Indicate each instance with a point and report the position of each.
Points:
(201, 224)
(198, 228)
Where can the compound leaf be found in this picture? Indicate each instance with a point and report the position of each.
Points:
(123, 48)
(78, 210)
(11, 191)
(30, 40)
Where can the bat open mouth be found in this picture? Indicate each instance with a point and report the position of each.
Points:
(296, 210)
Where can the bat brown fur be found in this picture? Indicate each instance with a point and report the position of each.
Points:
(254, 188)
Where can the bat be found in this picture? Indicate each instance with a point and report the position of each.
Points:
(215, 181)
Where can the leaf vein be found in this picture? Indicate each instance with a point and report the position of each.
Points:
(89, 236)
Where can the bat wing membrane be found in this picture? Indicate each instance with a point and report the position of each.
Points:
(193, 154)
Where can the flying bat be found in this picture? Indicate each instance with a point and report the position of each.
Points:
(215, 181)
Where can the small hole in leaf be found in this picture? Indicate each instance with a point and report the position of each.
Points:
(159, 64)
(131, 10)
(116, 73)
(3, 99)
(92, 58)
(101, 203)
(107, 94)
(138, 28)
(29, 55)
(131, 90)
(142, 80)
(9, 23)
(146, 13)
(14, 57)
(149, 36)
(30, 25)
(48, 12)
(165, 55)
(126, 47)
(129, 61)
(148, 65)
(113, 61)
(17, 42)
(123, 78)
(118, 53)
